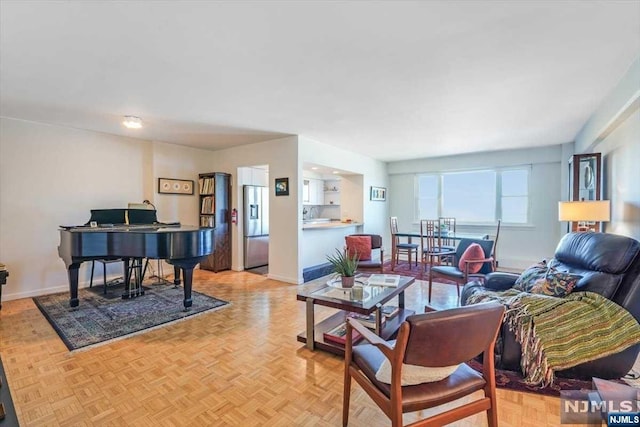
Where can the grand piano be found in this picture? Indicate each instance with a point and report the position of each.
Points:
(129, 234)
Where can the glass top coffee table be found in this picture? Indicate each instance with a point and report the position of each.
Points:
(362, 298)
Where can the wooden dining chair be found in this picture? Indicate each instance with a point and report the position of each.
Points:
(495, 243)
(401, 248)
(431, 244)
(430, 342)
(448, 231)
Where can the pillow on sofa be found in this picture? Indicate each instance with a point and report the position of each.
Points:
(359, 244)
(556, 283)
(473, 252)
(413, 374)
(530, 276)
(545, 280)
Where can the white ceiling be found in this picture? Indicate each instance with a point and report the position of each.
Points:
(394, 80)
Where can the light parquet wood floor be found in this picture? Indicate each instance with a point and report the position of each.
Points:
(239, 366)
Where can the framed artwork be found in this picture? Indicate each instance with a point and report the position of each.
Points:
(378, 194)
(282, 186)
(175, 186)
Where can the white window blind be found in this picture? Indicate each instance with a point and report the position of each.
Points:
(427, 200)
(469, 196)
(478, 196)
(515, 195)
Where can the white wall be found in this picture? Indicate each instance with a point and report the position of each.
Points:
(518, 246)
(621, 151)
(281, 157)
(614, 131)
(178, 162)
(51, 176)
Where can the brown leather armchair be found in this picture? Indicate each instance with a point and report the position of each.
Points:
(435, 339)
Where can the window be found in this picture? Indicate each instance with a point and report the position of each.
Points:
(515, 195)
(479, 196)
(469, 196)
(427, 206)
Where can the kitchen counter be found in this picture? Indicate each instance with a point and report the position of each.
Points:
(329, 224)
(323, 238)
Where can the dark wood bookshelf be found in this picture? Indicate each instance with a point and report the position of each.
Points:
(214, 198)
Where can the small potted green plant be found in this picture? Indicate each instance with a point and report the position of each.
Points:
(344, 266)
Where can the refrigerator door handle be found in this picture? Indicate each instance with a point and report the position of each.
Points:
(253, 211)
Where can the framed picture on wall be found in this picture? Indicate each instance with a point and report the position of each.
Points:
(378, 194)
(175, 186)
(282, 186)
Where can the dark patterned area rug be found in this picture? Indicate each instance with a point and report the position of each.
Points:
(514, 381)
(404, 269)
(101, 318)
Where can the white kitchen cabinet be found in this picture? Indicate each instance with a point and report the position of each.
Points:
(306, 190)
(313, 191)
(319, 192)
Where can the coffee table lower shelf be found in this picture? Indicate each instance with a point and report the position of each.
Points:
(391, 327)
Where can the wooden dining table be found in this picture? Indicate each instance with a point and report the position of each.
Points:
(451, 236)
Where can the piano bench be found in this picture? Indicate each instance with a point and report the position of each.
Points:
(104, 271)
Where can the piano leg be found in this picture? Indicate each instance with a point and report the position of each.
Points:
(188, 279)
(186, 265)
(73, 270)
(176, 276)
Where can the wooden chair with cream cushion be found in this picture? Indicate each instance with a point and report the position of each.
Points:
(433, 348)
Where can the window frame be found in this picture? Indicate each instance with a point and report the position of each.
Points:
(498, 201)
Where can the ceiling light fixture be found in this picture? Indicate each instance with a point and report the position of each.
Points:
(132, 122)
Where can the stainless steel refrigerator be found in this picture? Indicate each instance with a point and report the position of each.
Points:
(256, 226)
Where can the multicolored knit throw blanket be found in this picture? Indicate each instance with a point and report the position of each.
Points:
(559, 333)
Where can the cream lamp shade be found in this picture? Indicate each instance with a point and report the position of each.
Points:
(585, 210)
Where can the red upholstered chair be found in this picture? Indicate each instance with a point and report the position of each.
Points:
(371, 259)
(438, 339)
